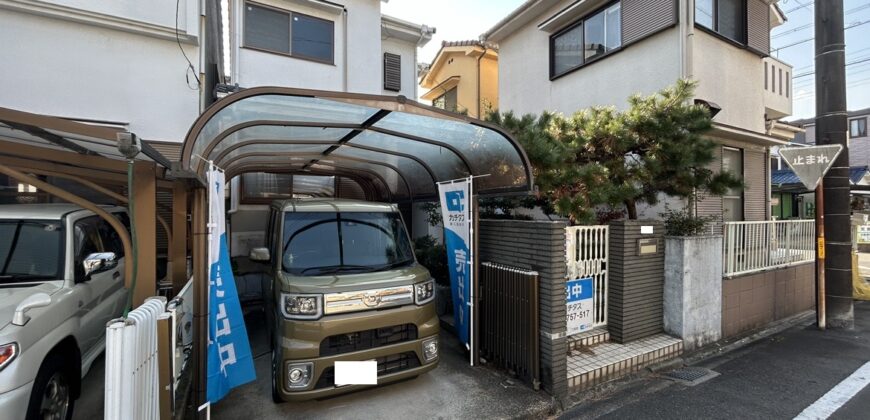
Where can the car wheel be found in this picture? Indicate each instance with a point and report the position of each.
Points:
(51, 397)
(276, 396)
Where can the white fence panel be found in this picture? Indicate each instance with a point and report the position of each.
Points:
(586, 248)
(750, 247)
(132, 383)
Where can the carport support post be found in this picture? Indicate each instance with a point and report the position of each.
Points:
(144, 192)
(475, 286)
(178, 247)
(200, 297)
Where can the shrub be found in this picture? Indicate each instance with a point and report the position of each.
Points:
(433, 256)
(683, 223)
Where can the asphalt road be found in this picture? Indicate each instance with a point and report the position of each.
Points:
(775, 378)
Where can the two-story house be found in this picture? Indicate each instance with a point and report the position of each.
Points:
(347, 46)
(463, 77)
(565, 55)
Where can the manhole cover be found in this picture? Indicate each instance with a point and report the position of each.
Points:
(691, 375)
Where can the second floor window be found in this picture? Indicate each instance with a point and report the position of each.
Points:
(290, 33)
(725, 17)
(592, 37)
(858, 127)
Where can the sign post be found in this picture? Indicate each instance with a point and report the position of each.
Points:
(458, 213)
(810, 164)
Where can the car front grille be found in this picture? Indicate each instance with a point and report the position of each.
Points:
(393, 363)
(368, 339)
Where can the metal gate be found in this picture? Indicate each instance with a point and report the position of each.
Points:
(509, 331)
(586, 248)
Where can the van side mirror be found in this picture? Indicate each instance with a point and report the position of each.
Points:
(260, 254)
(97, 262)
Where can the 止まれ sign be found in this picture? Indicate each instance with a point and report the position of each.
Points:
(580, 295)
(810, 164)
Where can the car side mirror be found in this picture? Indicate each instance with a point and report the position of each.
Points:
(260, 254)
(97, 262)
(36, 300)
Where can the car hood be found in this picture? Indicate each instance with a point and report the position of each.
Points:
(10, 297)
(353, 282)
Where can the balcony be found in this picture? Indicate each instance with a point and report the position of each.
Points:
(777, 88)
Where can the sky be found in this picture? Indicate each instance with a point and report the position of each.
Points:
(454, 20)
(793, 43)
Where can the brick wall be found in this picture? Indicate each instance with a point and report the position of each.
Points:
(539, 246)
(753, 301)
(636, 286)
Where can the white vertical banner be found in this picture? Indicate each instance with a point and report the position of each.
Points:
(458, 239)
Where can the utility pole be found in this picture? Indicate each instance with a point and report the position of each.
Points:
(831, 124)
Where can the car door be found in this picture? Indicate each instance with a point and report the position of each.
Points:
(109, 285)
(91, 290)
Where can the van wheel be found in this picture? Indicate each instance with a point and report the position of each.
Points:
(51, 397)
(276, 396)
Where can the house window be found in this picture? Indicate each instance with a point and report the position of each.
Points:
(292, 33)
(725, 17)
(392, 72)
(858, 127)
(446, 101)
(585, 40)
(732, 201)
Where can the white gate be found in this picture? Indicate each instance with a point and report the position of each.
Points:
(586, 249)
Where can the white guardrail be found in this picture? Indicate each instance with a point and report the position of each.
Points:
(751, 247)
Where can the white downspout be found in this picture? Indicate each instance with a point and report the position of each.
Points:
(344, 47)
(687, 38)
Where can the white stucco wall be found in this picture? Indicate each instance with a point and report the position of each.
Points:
(364, 69)
(524, 78)
(66, 60)
(408, 52)
(731, 77)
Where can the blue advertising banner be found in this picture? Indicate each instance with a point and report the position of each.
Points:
(230, 363)
(580, 300)
(457, 237)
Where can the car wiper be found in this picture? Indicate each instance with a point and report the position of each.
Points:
(329, 269)
(393, 265)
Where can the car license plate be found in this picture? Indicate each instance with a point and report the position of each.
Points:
(356, 373)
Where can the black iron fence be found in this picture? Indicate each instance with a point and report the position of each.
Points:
(509, 331)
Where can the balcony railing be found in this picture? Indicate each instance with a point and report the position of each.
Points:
(751, 247)
(777, 88)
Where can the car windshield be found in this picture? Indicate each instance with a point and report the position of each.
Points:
(317, 243)
(30, 250)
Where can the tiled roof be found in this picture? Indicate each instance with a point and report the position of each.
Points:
(787, 176)
(465, 43)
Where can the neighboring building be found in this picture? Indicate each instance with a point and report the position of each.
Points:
(463, 78)
(325, 45)
(116, 63)
(859, 139)
(565, 55)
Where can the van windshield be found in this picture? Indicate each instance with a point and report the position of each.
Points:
(30, 250)
(317, 243)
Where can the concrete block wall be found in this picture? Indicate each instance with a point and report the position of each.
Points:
(636, 285)
(539, 246)
(755, 300)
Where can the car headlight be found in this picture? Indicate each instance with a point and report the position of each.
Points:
(8, 352)
(295, 306)
(299, 375)
(424, 292)
(430, 349)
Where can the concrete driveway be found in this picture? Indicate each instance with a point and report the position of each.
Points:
(452, 391)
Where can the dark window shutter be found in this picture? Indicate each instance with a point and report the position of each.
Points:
(758, 26)
(642, 18)
(392, 72)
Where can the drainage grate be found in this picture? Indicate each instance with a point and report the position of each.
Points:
(691, 375)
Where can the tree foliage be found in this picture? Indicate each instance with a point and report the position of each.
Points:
(602, 157)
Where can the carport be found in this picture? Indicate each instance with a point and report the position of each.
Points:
(80, 163)
(393, 148)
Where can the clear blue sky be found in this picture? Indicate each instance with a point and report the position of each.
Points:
(793, 43)
(467, 19)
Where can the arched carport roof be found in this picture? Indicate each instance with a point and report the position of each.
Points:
(390, 142)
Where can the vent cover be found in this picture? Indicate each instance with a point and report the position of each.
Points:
(691, 375)
(392, 72)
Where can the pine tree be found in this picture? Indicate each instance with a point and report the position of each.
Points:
(603, 157)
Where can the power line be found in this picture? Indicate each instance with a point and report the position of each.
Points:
(810, 73)
(810, 25)
(801, 6)
(854, 25)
